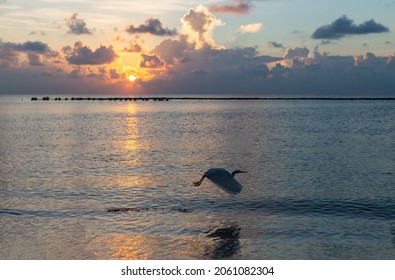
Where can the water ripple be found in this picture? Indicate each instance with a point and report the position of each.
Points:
(366, 209)
(369, 209)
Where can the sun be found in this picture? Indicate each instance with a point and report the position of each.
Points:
(132, 78)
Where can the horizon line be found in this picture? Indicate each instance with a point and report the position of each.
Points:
(164, 98)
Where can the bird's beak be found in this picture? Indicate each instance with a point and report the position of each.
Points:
(241, 171)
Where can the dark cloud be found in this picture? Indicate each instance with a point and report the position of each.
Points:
(212, 71)
(133, 48)
(34, 59)
(75, 74)
(114, 74)
(151, 61)
(82, 72)
(83, 55)
(76, 25)
(276, 45)
(370, 61)
(9, 53)
(174, 50)
(152, 26)
(8, 57)
(235, 7)
(300, 72)
(49, 80)
(219, 71)
(344, 26)
(29, 46)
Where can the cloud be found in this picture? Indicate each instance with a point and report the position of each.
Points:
(211, 71)
(152, 26)
(34, 59)
(133, 48)
(276, 45)
(114, 74)
(29, 46)
(48, 80)
(151, 61)
(296, 52)
(81, 72)
(370, 60)
(76, 25)
(198, 25)
(193, 70)
(236, 7)
(42, 33)
(8, 57)
(344, 26)
(251, 28)
(192, 63)
(174, 50)
(10, 53)
(83, 55)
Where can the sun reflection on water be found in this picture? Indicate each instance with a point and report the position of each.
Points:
(143, 247)
(135, 181)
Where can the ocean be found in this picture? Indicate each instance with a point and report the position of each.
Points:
(113, 179)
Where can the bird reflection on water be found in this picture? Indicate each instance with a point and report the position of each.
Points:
(226, 242)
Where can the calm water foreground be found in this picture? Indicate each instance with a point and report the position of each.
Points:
(112, 180)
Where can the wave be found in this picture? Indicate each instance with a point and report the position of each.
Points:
(366, 209)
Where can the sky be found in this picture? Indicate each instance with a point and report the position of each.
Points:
(261, 48)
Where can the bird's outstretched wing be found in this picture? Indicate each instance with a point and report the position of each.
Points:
(226, 182)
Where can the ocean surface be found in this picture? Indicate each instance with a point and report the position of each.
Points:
(113, 180)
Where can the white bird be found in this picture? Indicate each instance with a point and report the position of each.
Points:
(223, 179)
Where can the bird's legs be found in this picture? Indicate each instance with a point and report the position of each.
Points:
(197, 183)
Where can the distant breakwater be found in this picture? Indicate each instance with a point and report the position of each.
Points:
(47, 98)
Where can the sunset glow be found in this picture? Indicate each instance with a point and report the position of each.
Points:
(132, 78)
(232, 47)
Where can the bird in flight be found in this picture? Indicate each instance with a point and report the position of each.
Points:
(223, 179)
